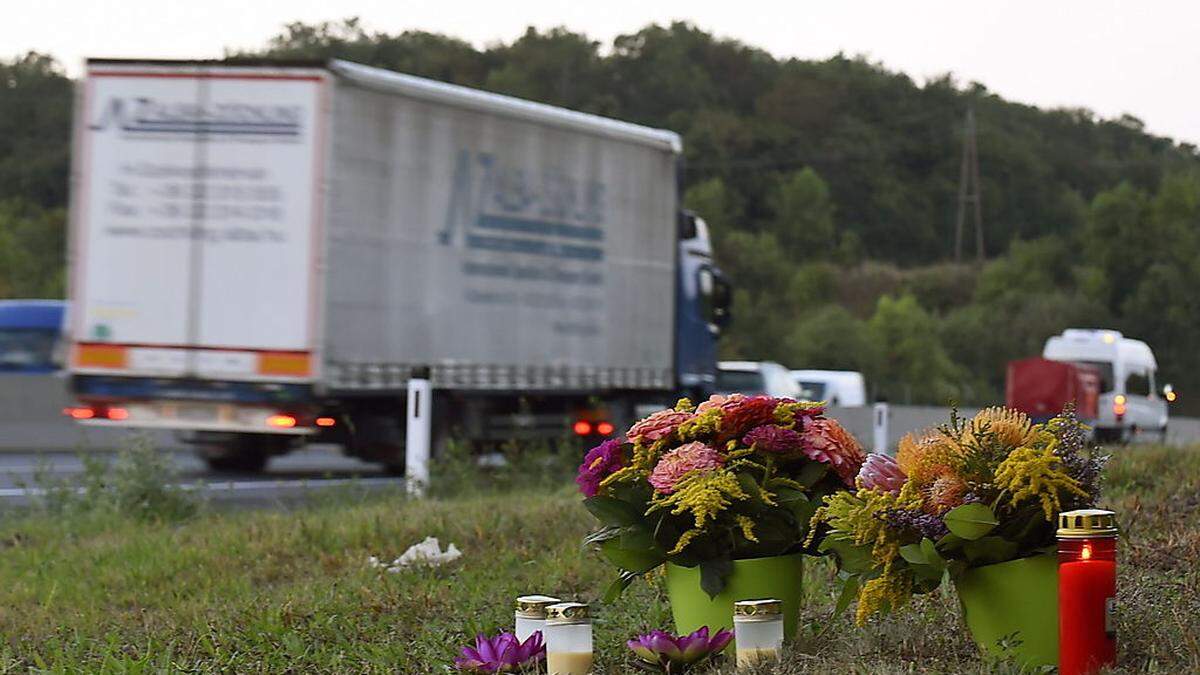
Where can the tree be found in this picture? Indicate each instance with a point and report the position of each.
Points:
(913, 365)
(32, 250)
(803, 215)
(35, 130)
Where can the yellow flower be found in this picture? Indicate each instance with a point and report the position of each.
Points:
(700, 426)
(747, 526)
(703, 495)
(1037, 473)
(1009, 427)
(888, 591)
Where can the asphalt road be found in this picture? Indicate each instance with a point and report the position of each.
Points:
(288, 479)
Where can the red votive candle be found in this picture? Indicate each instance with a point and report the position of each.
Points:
(1087, 591)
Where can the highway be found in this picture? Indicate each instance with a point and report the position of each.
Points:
(288, 479)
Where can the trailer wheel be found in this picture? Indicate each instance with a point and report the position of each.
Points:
(237, 463)
(244, 453)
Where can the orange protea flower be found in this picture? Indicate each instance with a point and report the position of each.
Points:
(944, 493)
(928, 454)
(1010, 427)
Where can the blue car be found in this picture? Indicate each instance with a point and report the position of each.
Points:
(30, 335)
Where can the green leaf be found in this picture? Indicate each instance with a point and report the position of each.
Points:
(713, 575)
(851, 557)
(987, 550)
(612, 511)
(913, 554)
(848, 594)
(603, 534)
(932, 556)
(787, 495)
(637, 560)
(618, 586)
(950, 543)
(970, 521)
(811, 473)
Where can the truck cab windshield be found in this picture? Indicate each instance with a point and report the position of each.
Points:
(1106, 373)
(747, 382)
(27, 350)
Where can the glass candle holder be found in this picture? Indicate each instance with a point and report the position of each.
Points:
(568, 639)
(530, 616)
(1087, 591)
(758, 631)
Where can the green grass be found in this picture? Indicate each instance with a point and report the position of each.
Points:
(290, 591)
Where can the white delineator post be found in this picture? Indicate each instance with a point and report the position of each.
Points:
(418, 432)
(880, 426)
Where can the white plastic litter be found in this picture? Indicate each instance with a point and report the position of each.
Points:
(428, 552)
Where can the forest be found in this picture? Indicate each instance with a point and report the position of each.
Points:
(830, 186)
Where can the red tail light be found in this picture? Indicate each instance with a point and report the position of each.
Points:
(582, 428)
(281, 421)
(325, 421)
(605, 428)
(80, 413)
(117, 414)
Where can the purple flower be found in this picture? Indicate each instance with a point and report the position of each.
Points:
(599, 463)
(501, 654)
(670, 654)
(881, 472)
(774, 439)
(924, 524)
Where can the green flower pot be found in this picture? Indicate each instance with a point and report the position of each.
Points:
(779, 577)
(1011, 608)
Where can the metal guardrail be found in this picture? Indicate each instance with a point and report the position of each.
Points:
(31, 419)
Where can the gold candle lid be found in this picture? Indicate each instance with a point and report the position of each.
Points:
(534, 606)
(568, 612)
(1086, 523)
(757, 610)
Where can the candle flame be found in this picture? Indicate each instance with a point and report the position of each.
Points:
(1086, 553)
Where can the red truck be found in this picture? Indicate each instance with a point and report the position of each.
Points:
(1041, 388)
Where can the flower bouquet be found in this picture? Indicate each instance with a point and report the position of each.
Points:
(701, 487)
(967, 496)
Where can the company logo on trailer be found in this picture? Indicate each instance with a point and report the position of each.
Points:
(144, 115)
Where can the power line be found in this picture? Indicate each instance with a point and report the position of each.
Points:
(969, 190)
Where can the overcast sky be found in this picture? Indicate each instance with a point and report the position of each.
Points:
(1113, 56)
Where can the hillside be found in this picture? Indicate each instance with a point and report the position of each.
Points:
(831, 186)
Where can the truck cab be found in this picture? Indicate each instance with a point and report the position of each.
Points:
(31, 336)
(1129, 403)
(703, 308)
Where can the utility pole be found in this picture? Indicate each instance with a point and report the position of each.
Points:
(969, 189)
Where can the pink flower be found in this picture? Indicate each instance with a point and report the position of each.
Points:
(720, 401)
(882, 473)
(774, 439)
(826, 441)
(694, 456)
(657, 426)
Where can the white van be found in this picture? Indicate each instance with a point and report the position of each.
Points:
(755, 378)
(1129, 401)
(843, 388)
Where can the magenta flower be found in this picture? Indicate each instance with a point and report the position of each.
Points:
(774, 439)
(657, 426)
(501, 654)
(669, 654)
(674, 465)
(881, 472)
(599, 463)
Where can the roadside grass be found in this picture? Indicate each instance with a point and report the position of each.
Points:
(112, 590)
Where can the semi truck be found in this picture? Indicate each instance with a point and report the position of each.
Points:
(263, 254)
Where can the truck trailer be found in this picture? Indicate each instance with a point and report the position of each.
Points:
(263, 254)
